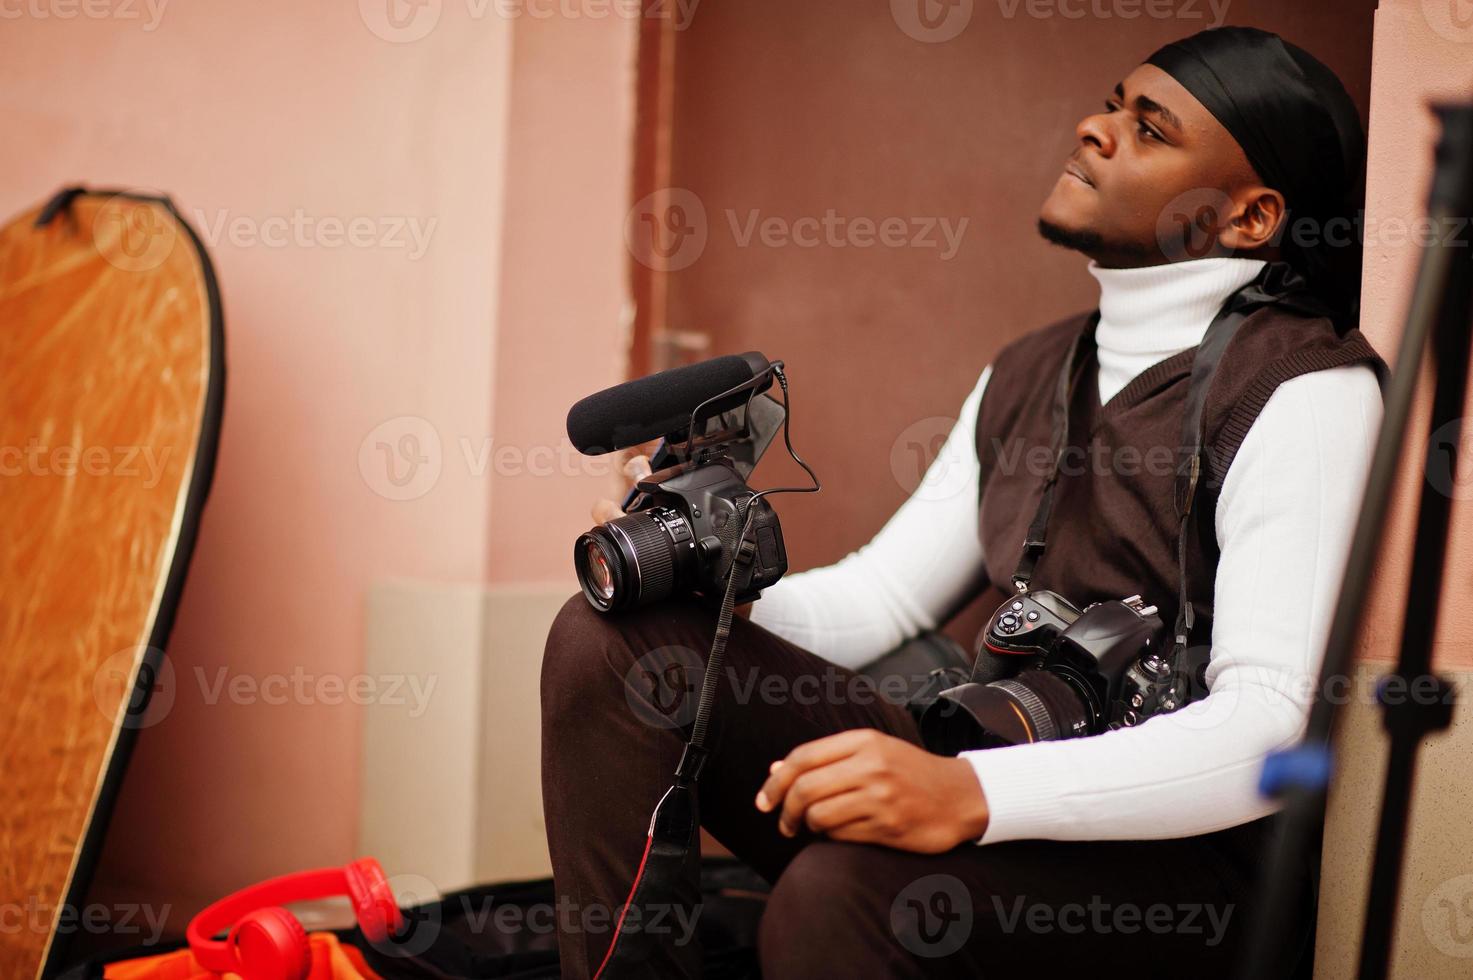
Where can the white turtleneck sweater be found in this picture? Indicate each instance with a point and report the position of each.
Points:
(1284, 520)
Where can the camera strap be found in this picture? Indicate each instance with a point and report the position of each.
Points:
(1274, 285)
(667, 869)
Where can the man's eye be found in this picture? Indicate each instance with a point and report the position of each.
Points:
(1143, 129)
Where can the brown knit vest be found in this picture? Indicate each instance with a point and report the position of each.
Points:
(1114, 523)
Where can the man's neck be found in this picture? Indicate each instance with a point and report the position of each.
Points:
(1151, 312)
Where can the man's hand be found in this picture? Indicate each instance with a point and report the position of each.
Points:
(636, 468)
(863, 785)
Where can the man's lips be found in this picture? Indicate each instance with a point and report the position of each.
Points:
(1075, 170)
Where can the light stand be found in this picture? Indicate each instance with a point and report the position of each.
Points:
(1414, 702)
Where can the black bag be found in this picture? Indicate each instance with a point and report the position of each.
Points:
(464, 934)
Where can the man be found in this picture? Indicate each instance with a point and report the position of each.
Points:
(1127, 853)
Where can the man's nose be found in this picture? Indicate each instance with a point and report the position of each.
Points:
(1095, 130)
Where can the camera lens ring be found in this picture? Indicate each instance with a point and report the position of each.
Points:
(628, 549)
(1037, 716)
(1035, 706)
(613, 561)
(650, 547)
(640, 553)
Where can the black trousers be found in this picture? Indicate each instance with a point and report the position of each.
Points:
(618, 697)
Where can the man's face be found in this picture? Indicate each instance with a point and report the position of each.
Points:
(1151, 143)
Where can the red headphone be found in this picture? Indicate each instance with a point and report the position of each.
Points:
(266, 942)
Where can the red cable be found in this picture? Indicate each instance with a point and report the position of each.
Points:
(648, 842)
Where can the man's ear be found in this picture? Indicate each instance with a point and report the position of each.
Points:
(1255, 220)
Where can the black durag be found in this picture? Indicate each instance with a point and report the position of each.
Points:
(1302, 134)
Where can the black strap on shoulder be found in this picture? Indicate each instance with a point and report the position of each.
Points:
(1277, 283)
(1037, 540)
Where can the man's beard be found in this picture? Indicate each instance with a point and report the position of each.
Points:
(1094, 244)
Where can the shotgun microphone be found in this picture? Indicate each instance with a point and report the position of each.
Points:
(661, 404)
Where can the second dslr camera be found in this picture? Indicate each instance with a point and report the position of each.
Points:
(1048, 670)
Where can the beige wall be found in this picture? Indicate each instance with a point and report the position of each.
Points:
(1420, 55)
(503, 140)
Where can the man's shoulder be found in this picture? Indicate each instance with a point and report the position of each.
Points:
(1047, 343)
(1023, 373)
(1334, 393)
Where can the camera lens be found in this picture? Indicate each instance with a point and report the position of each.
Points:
(1035, 706)
(628, 561)
(600, 575)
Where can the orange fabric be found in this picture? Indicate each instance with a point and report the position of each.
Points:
(331, 960)
(104, 356)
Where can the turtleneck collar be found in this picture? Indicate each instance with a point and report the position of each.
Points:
(1149, 313)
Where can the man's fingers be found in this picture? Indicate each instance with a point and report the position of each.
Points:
(815, 787)
(606, 510)
(861, 831)
(637, 468)
(809, 755)
(830, 815)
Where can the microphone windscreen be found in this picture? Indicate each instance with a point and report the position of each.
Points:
(660, 404)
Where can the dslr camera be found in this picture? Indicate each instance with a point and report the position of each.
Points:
(1047, 670)
(683, 522)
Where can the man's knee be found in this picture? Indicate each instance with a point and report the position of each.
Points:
(589, 653)
(881, 912)
(826, 890)
(574, 656)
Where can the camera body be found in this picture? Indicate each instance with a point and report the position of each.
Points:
(1048, 670)
(678, 536)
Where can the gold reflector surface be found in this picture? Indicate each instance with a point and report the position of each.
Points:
(108, 317)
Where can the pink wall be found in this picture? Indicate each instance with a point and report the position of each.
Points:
(1421, 54)
(268, 123)
(563, 329)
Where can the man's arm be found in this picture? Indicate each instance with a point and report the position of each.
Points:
(913, 572)
(1284, 521)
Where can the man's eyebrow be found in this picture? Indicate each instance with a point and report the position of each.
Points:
(1145, 104)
